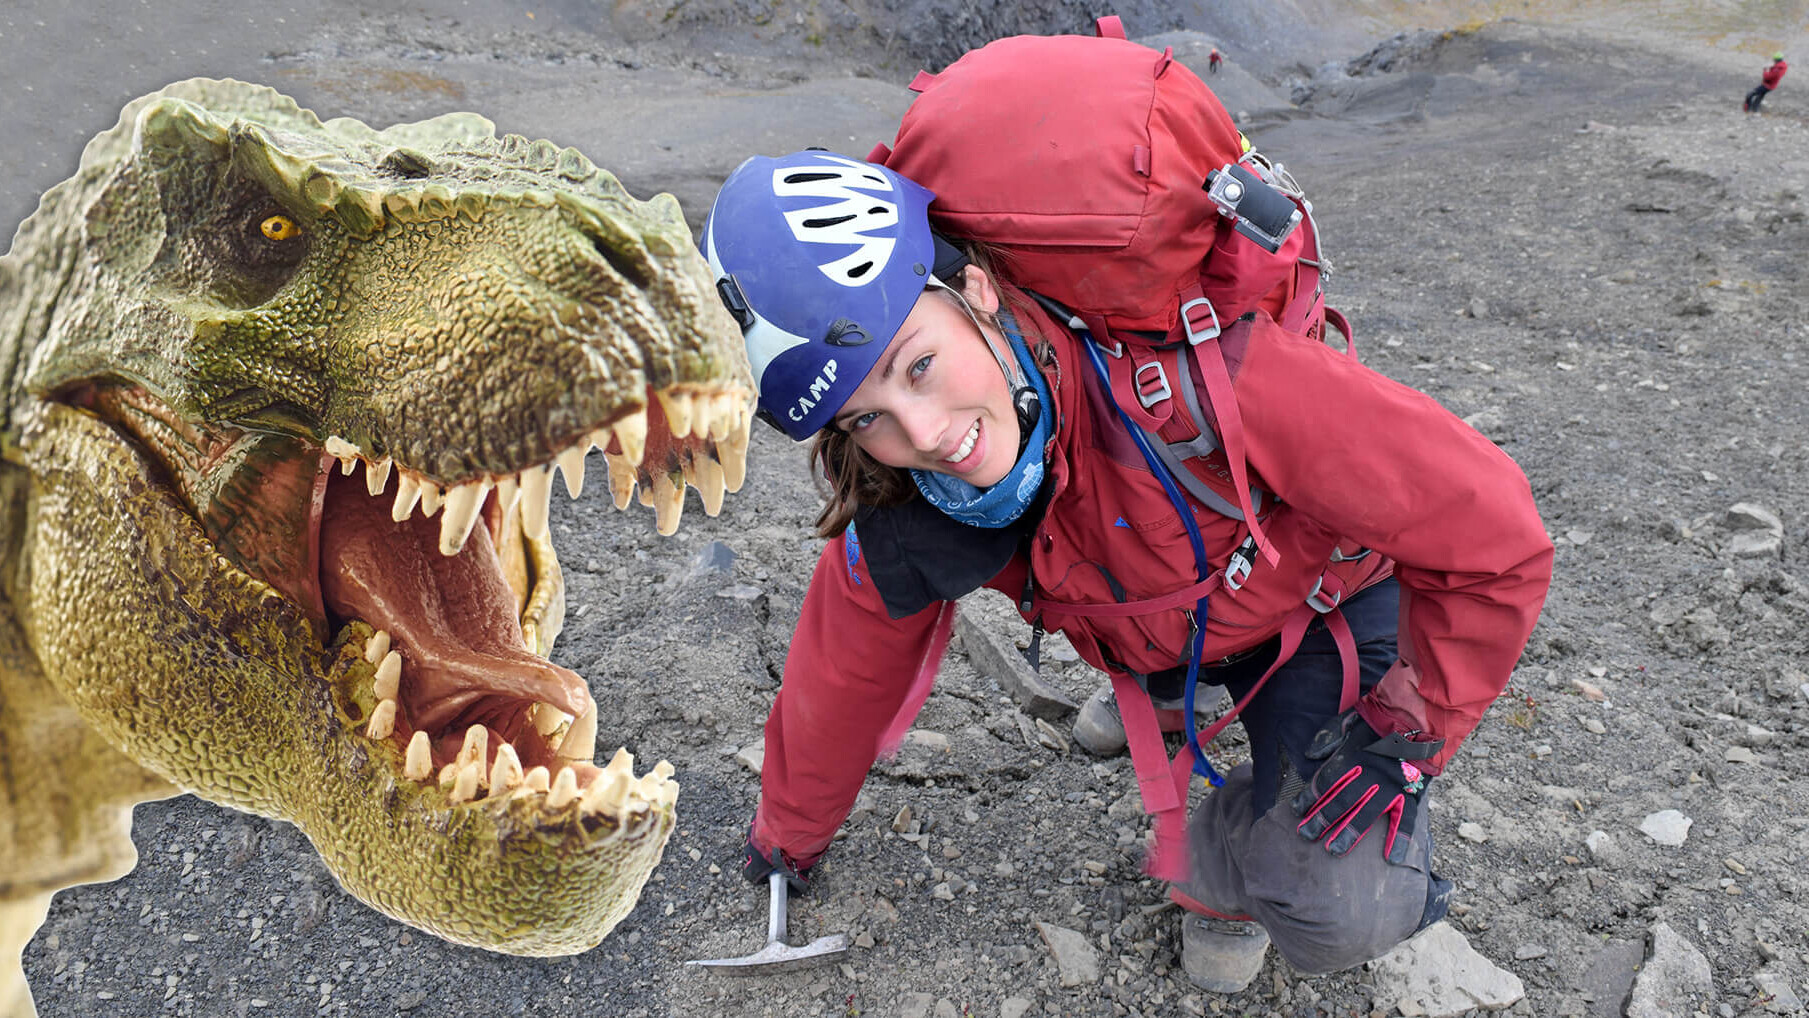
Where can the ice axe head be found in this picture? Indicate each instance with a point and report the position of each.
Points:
(777, 955)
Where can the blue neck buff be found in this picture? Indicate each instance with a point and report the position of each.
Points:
(1005, 501)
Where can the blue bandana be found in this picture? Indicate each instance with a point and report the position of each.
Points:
(1005, 501)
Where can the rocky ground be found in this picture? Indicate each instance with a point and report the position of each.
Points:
(1580, 246)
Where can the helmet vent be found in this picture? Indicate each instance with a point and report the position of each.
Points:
(821, 224)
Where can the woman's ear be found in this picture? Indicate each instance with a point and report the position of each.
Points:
(977, 287)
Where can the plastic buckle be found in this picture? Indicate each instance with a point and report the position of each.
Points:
(1197, 336)
(1320, 604)
(1147, 393)
(1243, 559)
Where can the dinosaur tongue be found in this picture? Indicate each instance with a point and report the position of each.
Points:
(454, 619)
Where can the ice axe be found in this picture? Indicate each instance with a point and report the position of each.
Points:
(777, 955)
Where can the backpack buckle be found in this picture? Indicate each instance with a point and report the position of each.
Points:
(1151, 391)
(1243, 559)
(1322, 601)
(1200, 335)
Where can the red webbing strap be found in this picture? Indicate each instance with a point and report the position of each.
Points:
(1168, 857)
(1186, 597)
(1195, 905)
(922, 82)
(1339, 627)
(1109, 27)
(1231, 435)
(1335, 318)
(1148, 753)
(927, 667)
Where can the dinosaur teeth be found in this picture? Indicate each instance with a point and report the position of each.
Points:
(571, 462)
(383, 721)
(607, 794)
(408, 492)
(418, 765)
(536, 488)
(464, 783)
(705, 474)
(388, 683)
(668, 503)
(505, 773)
(678, 409)
(564, 790)
(431, 498)
(508, 493)
(463, 504)
(476, 747)
(733, 453)
(376, 476)
(376, 646)
(536, 780)
(547, 718)
(621, 478)
(580, 742)
(631, 433)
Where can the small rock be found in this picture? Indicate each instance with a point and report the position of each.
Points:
(926, 740)
(1578, 537)
(1675, 978)
(742, 592)
(1470, 831)
(1527, 952)
(1074, 955)
(1739, 754)
(752, 756)
(902, 821)
(915, 1005)
(1437, 972)
(1752, 516)
(1775, 988)
(1667, 827)
(1595, 726)
(1590, 691)
(714, 557)
(1014, 1007)
(1602, 847)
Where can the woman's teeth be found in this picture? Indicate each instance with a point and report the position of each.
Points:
(967, 445)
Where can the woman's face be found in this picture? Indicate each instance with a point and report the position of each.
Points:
(937, 399)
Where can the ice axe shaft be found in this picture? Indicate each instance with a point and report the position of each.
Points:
(777, 955)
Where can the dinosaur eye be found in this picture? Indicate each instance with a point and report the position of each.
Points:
(280, 228)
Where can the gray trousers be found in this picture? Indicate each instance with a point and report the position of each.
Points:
(1323, 912)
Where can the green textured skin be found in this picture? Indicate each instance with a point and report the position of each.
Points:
(465, 305)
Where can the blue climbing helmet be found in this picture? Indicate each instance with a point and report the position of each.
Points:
(819, 257)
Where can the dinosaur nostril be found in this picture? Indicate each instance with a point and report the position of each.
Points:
(625, 264)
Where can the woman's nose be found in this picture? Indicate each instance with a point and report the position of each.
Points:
(923, 427)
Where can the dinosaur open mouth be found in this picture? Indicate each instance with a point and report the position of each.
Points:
(451, 673)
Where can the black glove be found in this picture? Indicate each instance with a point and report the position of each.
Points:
(1364, 778)
(758, 865)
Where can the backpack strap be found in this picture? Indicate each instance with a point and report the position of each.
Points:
(1217, 378)
(1109, 27)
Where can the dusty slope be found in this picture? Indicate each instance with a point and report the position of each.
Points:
(1621, 308)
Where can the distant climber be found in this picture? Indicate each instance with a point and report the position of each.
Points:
(1214, 60)
(1769, 81)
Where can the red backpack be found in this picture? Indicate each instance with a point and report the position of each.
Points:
(1111, 180)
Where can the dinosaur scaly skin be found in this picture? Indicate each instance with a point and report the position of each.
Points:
(229, 300)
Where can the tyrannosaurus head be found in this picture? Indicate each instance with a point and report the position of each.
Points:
(290, 395)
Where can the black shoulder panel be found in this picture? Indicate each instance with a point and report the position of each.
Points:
(918, 556)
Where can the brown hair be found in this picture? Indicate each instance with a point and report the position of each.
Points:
(848, 477)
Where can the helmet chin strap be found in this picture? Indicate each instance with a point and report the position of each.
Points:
(1024, 400)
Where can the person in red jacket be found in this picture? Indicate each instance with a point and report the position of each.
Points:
(967, 443)
(1213, 60)
(1770, 78)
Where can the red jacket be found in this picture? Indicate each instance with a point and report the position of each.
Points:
(1354, 458)
(1774, 74)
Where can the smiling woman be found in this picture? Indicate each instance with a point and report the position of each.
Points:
(974, 435)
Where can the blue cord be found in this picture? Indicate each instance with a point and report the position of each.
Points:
(1200, 765)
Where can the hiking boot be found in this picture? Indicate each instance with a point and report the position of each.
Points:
(1222, 955)
(1099, 728)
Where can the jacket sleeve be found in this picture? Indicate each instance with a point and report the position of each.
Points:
(849, 676)
(1386, 466)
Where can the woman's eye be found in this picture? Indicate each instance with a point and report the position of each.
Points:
(861, 422)
(921, 365)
